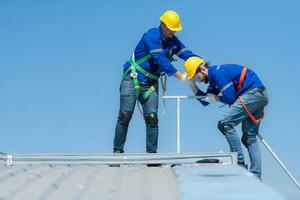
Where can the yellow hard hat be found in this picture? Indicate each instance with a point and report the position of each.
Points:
(191, 65)
(171, 20)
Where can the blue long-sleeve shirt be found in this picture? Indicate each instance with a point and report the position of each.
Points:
(161, 50)
(223, 80)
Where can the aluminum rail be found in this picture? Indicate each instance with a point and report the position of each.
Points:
(178, 98)
(104, 159)
(278, 160)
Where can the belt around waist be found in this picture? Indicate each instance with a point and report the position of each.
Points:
(260, 89)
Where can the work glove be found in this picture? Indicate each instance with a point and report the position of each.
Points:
(189, 82)
(210, 98)
(200, 93)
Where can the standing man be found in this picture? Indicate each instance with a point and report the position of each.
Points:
(240, 88)
(152, 57)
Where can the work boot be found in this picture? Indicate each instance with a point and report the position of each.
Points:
(242, 164)
(118, 151)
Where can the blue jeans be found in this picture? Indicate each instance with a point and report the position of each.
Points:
(255, 100)
(127, 104)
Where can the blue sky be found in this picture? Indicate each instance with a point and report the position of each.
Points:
(61, 66)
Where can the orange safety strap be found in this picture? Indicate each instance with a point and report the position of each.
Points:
(239, 86)
(255, 121)
(241, 80)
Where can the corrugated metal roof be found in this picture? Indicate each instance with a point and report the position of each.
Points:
(87, 182)
(80, 177)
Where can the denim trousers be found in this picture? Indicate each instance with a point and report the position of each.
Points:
(128, 101)
(255, 100)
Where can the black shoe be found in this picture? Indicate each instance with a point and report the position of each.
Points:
(208, 160)
(242, 164)
(118, 151)
(154, 165)
(114, 165)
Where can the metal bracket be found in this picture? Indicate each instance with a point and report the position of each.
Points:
(9, 160)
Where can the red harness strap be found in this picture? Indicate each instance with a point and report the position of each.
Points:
(255, 121)
(239, 86)
(241, 80)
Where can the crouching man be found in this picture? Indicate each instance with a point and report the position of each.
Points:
(241, 88)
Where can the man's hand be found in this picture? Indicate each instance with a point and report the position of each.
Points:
(211, 98)
(189, 82)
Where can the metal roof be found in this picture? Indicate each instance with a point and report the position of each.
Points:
(226, 182)
(90, 177)
(87, 182)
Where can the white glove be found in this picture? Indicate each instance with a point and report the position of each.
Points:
(189, 82)
(210, 98)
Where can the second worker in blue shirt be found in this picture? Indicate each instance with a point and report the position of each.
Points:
(240, 88)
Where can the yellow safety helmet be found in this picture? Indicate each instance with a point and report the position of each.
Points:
(172, 20)
(191, 65)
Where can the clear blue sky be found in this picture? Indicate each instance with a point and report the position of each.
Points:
(61, 66)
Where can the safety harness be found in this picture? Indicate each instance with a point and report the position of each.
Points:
(239, 86)
(134, 67)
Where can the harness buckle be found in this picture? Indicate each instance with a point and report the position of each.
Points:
(133, 75)
(136, 87)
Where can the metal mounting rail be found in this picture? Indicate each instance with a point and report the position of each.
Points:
(279, 161)
(145, 158)
(178, 98)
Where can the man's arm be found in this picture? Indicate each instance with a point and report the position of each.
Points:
(225, 84)
(152, 42)
(179, 75)
(183, 52)
(199, 92)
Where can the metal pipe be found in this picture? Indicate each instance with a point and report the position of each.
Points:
(178, 125)
(183, 97)
(278, 160)
(126, 158)
(178, 115)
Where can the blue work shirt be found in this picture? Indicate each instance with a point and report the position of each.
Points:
(223, 79)
(162, 50)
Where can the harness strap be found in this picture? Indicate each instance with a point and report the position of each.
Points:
(239, 86)
(143, 59)
(241, 80)
(135, 64)
(144, 72)
(135, 82)
(134, 68)
(150, 90)
(255, 121)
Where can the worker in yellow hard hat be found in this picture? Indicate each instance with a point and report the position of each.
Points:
(152, 57)
(242, 89)
(192, 64)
